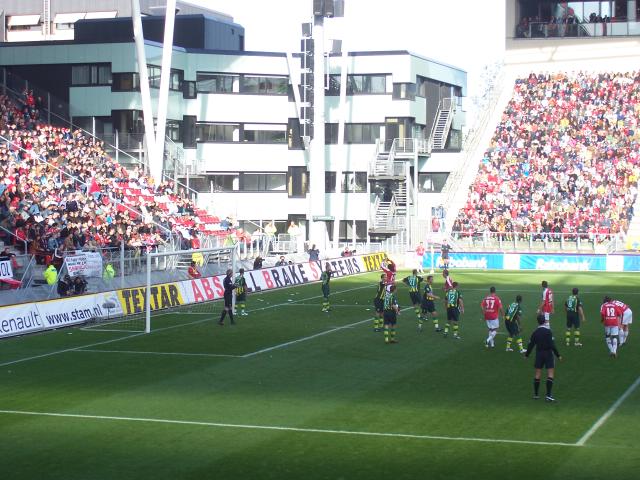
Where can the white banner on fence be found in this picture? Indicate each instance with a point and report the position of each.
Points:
(88, 264)
(5, 269)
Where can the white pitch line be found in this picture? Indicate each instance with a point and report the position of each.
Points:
(136, 352)
(113, 340)
(605, 416)
(288, 429)
(310, 337)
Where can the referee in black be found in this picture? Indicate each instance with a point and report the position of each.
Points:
(228, 298)
(542, 339)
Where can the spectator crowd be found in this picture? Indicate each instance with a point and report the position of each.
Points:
(60, 191)
(564, 159)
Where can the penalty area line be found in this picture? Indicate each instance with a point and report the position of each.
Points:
(176, 354)
(605, 416)
(287, 429)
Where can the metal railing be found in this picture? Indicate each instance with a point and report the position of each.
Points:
(563, 30)
(537, 241)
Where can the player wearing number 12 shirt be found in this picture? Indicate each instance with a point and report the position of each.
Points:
(610, 314)
(491, 307)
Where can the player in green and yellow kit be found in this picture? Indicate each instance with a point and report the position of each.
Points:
(429, 304)
(455, 307)
(512, 319)
(575, 315)
(390, 315)
(241, 292)
(325, 278)
(378, 305)
(413, 281)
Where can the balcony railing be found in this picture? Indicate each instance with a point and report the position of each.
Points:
(561, 30)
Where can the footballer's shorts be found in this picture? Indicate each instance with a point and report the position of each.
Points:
(453, 314)
(428, 306)
(378, 304)
(573, 320)
(611, 331)
(493, 324)
(627, 317)
(512, 327)
(228, 300)
(325, 291)
(241, 297)
(544, 359)
(415, 298)
(390, 317)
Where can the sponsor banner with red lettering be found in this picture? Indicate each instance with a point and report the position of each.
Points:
(207, 289)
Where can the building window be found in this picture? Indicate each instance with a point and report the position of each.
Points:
(404, 91)
(331, 133)
(431, 182)
(217, 83)
(271, 85)
(91, 75)
(355, 182)
(329, 182)
(175, 78)
(454, 140)
(362, 132)
(359, 84)
(173, 130)
(265, 133)
(346, 230)
(125, 82)
(263, 182)
(189, 89)
(421, 86)
(217, 132)
(223, 182)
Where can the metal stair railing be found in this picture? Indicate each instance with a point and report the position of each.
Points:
(446, 109)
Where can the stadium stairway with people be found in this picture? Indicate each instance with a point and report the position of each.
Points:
(563, 160)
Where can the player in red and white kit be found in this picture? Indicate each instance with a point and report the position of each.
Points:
(491, 306)
(627, 319)
(610, 314)
(448, 282)
(389, 269)
(546, 304)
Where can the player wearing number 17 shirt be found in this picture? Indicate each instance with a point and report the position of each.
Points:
(546, 304)
(610, 314)
(491, 307)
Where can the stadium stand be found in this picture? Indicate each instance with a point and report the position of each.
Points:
(563, 160)
(60, 192)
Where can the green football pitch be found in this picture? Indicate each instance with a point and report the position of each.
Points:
(290, 392)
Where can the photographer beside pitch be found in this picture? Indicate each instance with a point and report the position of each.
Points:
(542, 340)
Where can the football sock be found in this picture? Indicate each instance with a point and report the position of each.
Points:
(549, 386)
(446, 328)
(455, 329)
(417, 310)
(435, 323)
(386, 335)
(536, 386)
(609, 343)
(509, 340)
(576, 336)
(222, 315)
(393, 334)
(519, 341)
(614, 344)
(567, 337)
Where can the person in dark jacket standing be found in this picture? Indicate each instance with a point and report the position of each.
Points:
(229, 285)
(542, 340)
